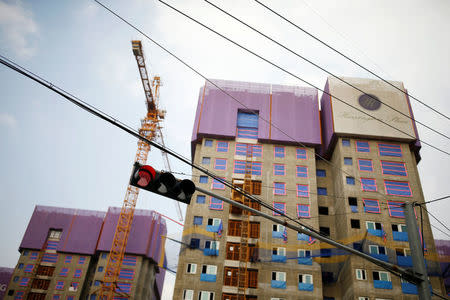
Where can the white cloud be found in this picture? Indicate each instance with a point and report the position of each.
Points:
(17, 28)
(8, 120)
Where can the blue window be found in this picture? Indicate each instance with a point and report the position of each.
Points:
(96, 282)
(396, 209)
(215, 204)
(50, 258)
(198, 220)
(59, 285)
(208, 143)
(345, 142)
(29, 268)
(247, 119)
(303, 211)
(129, 260)
(52, 245)
(206, 160)
(302, 190)
(24, 281)
(321, 173)
(390, 150)
(100, 269)
(126, 274)
(397, 188)
(279, 170)
(201, 199)
(368, 184)
(77, 273)
(81, 260)
(365, 165)
(302, 171)
(19, 295)
(220, 164)
(203, 179)
(64, 272)
(222, 146)
(239, 167)
(278, 151)
(279, 188)
(34, 255)
(123, 287)
(247, 133)
(195, 244)
(348, 161)
(322, 191)
(301, 153)
(20, 266)
(244, 149)
(68, 259)
(362, 146)
(371, 206)
(393, 168)
(350, 180)
(56, 297)
(104, 255)
(280, 207)
(217, 185)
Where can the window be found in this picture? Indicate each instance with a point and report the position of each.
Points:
(188, 295)
(365, 165)
(220, 164)
(279, 251)
(20, 266)
(398, 188)
(321, 173)
(352, 201)
(217, 185)
(390, 150)
(278, 151)
(203, 179)
(247, 125)
(278, 228)
(371, 206)
(256, 187)
(198, 220)
(302, 171)
(52, 245)
(201, 199)
(243, 149)
(362, 146)
(350, 180)
(303, 211)
(16, 278)
(206, 160)
(323, 210)
(77, 273)
(129, 260)
(213, 245)
(215, 204)
(59, 285)
(324, 230)
(28, 268)
(280, 207)
(214, 221)
(279, 170)
(239, 167)
(55, 234)
(254, 230)
(399, 228)
(305, 278)
(195, 244)
(396, 209)
(279, 276)
(363, 298)
(68, 259)
(191, 268)
(50, 258)
(97, 283)
(355, 223)
(302, 190)
(123, 287)
(63, 271)
(34, 255)
(368, 185)
(325, 252)
(380, 275)
(303, 253)
(127, 274)
(346, 142)
(100, 269)
(81, 260)
(222, 146)
(348, 161)
(208, 143)
(373, 225)
(203, 295)
(234, 228)
(393, 168)
(209, 269)
(361, 274)
(24, 281)
(279, 188)
(301, 153)
(322, 191)
(375, 249)
(56, 297)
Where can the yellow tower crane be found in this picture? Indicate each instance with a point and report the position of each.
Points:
(150, 129)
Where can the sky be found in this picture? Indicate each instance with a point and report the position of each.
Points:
(53, 153)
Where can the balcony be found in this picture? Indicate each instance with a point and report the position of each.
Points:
(400, 236)
(276, 284)
(381, 284)
(277, 234)
(404, 261)
(309, 287)
(302, 237)
(279, 258)
(354, 208)
(409, 288)
(210, 252)
(375, 232)
(208, 277)
(212, 228)
(304, 260)
(383, 257)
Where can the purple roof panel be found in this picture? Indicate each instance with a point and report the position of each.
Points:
(5, 277)
(326, 112)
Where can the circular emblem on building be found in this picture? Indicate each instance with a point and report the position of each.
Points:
(369, 102)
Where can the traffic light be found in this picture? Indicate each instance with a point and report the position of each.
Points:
(162, 183)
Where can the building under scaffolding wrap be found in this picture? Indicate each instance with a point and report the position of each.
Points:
(64, 252)
(269, 144)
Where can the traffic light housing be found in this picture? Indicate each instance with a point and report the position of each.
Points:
(162, 183)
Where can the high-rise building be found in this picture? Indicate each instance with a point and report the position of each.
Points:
(335, 169)
(64, 252)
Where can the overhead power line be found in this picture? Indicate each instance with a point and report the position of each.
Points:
(439, 221)
(298, 77)
(435, 200)
(323, 69)
(349, 59)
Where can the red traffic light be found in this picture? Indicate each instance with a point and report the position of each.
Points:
(145, 175)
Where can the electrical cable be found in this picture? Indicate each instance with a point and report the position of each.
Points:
(323, 69)
(349, 59)
(439, 221)
(434, 200)
(437, 228)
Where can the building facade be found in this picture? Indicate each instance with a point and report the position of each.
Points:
(335, 169)
(64, 252)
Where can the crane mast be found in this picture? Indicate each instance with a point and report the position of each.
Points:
(149, 129)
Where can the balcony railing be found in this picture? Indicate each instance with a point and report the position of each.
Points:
(276, 284)
(306, 287)
(381, 284)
